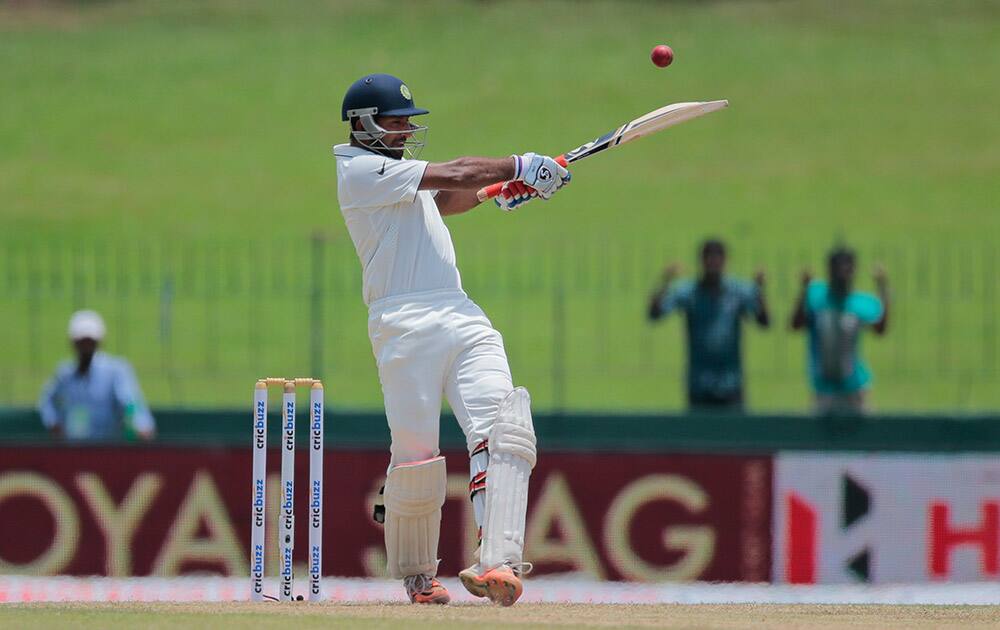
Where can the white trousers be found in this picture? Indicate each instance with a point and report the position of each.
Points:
(429, 344)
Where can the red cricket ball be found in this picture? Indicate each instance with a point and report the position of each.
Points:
(662, 55)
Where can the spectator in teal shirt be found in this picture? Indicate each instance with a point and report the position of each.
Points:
(714, 305)
(834, 315)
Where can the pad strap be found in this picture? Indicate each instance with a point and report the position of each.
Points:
(478, 484)
(482, 447)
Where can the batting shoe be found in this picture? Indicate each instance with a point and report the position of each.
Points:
(502, 585)
(424, 589)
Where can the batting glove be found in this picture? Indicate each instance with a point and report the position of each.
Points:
(514, 194)
(540, 172)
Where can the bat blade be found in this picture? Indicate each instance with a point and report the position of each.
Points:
(654, 121)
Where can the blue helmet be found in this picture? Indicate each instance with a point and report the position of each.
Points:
(382, 95)
(379, 95)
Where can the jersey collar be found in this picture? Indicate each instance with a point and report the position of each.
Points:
(349, 150)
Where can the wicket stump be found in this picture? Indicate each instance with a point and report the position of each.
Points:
(286, 514)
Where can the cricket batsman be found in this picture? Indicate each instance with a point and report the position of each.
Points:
(430, 339)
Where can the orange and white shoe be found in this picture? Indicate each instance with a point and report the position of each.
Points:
(472, 580)
(424, 589)
(502, 585)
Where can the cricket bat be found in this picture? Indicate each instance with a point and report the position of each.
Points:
(652, 122)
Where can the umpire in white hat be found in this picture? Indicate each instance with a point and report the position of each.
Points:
(96, 396)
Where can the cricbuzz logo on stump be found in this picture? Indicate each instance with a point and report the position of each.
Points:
(258, 503)
(286, 512)
(317, 426)
(290, 426)
(257, 570)
(260, 426)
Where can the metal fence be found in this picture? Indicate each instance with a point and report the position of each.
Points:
(201, 319)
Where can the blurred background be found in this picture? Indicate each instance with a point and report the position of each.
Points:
(168, 165)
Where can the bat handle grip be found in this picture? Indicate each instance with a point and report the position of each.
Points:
(493, 190)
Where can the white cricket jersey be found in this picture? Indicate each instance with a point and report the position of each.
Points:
(401, 240)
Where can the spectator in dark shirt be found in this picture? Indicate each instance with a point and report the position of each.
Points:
(714, 306)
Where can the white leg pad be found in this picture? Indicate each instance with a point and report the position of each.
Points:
(414, 494)
(512, 456)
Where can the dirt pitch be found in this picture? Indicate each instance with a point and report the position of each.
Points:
(304, 616)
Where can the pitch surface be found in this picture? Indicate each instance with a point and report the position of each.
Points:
(686, 617)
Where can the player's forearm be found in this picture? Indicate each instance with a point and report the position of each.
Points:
(451, 202)
(882, 325)
(467, 173)
(799, 314)
(47, 407)
(655, 310)
(763, 315)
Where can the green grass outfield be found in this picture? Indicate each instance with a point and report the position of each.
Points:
(161, 124)
(688, 617)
